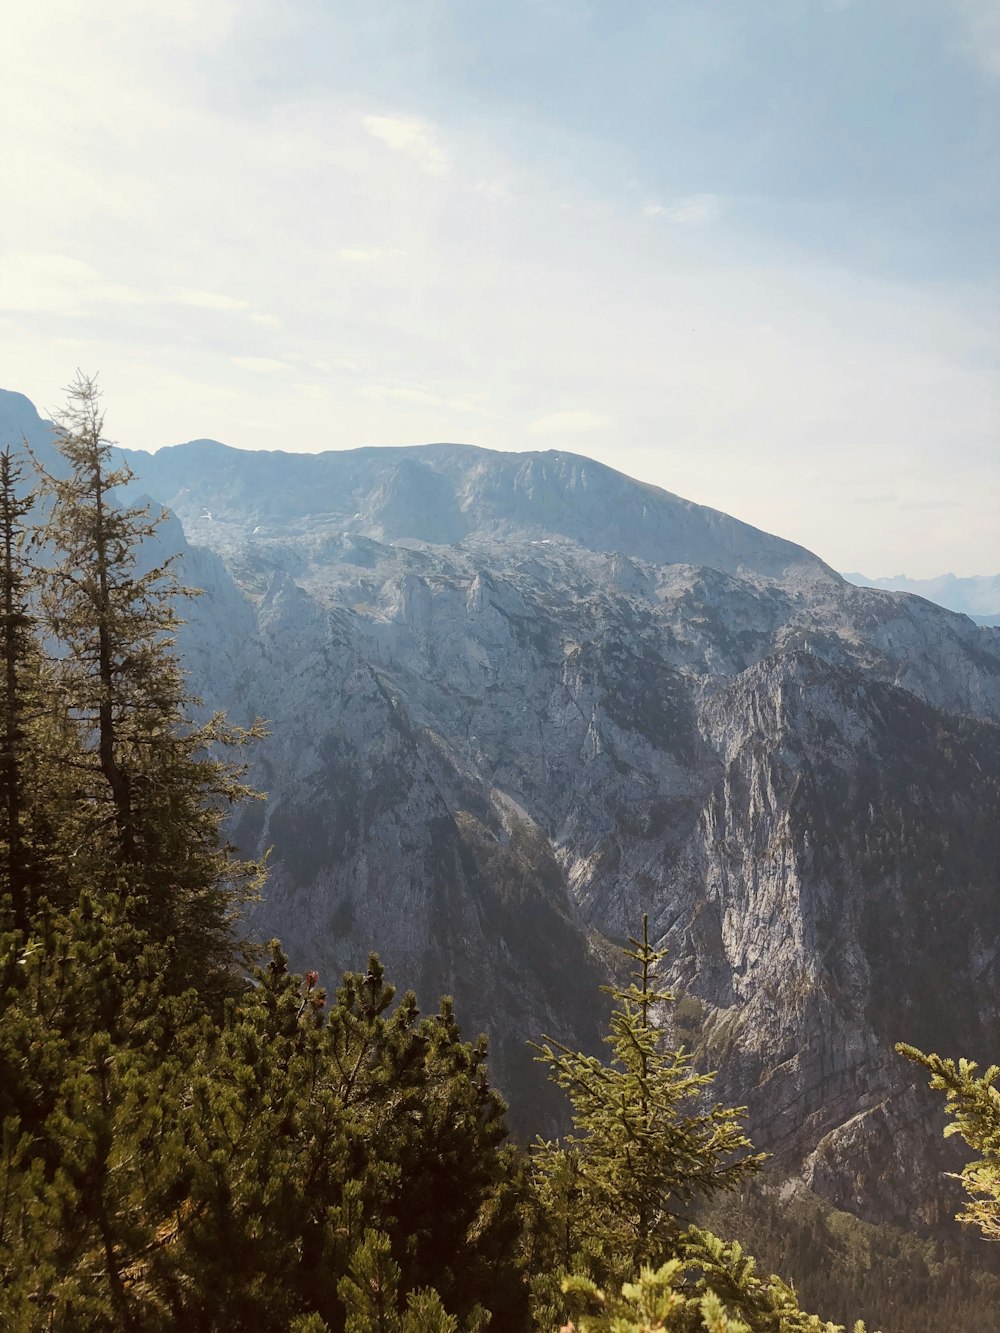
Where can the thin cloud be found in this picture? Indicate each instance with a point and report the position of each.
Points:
(575, 422)
(196, 299)
(372, 255)
(403, 393)
(693, 210)
(208, 300)
(412, 137)
(264, 365)
(979, 32)
(59, 284)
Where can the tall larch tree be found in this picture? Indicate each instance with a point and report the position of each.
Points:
(26, 775)
(157, 791)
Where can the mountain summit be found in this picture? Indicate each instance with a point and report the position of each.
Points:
(445, 494)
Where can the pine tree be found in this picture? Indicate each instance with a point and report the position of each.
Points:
(370, 1293)
(27, 774)
(20, 693)
(151, 794)
(95, 1063)
(615, 1252)
(643, 1144)
(974, 1105)
(668, 1299)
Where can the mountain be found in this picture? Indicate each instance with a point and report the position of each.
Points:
(517, 700)
(978, 597)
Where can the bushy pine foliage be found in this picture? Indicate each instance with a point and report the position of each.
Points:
(974, 1106)
(163, 1170)
(33, 784)
(666, 1299)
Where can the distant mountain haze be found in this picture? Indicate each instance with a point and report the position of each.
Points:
(517, 700)
(978, 597)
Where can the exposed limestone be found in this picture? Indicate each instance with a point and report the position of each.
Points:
(517, 700)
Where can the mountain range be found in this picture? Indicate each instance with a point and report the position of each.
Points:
(516, 700)
(977, 597)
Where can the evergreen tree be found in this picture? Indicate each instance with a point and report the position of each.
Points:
(667, 1299)
(974, 1105)
(643, 1145)
(162, 1169)
(150, 792)
(612, 1195)
(94, 1065)
(370, 1293)
(26, 771)
(17, 641)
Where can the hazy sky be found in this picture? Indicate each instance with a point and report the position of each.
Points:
(746, 250)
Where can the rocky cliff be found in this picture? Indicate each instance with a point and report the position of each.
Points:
(517, 700)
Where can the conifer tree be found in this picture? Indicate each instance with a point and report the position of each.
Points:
(615, 1252)
(160, 1169)
(370, 1293)
(974, 1105)
(151, 793)
(673, 1299)
(95, 1058)
(643, 1144)
(25, 768)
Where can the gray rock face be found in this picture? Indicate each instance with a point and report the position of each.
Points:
(517, 700)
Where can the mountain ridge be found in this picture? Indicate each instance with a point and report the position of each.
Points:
(977, 596)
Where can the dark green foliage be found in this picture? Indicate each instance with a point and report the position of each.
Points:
(149, 790)
(363, 1117)
(28, 778)
(161, 1170)
(93, 1061)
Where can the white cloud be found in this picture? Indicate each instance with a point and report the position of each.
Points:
(979, 32)
(574, 422)
(372, 255)
(414, 138)
(402, 393)
(498, 190)
(58, 284)
(208, 300)
(187, 228)
(694, 210)
(264, 365)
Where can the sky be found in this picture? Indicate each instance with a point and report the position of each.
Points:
(747, 252)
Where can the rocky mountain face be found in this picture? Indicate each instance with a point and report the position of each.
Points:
(517, 700)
